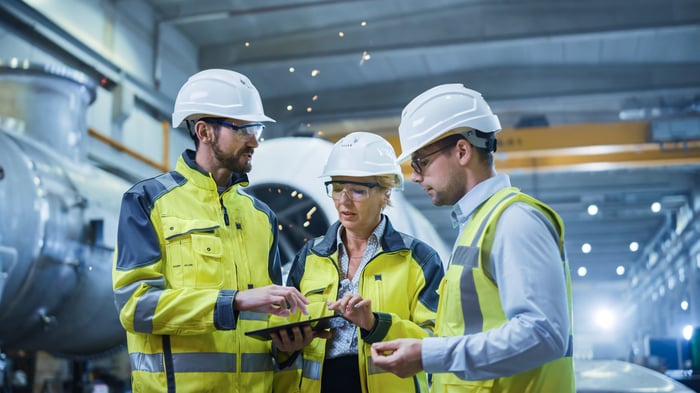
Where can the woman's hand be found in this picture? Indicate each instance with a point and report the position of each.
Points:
(355, 309)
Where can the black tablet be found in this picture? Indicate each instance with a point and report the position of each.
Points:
(317, 324)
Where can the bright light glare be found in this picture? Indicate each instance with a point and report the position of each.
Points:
(582, 271)
(688, 332)
(592, 210)
(634, 246)
(605, 319)
(620, 270)
(656, 207)
(586, 248)
(684, 305)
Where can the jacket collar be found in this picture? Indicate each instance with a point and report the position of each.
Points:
(391, 240)
(188, 167)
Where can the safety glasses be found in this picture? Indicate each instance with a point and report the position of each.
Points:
(355, 191)
(420, 163)
(244, 130)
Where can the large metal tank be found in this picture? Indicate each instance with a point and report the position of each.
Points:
(58, 218)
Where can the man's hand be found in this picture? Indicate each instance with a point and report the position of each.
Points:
(355, 309)
(299, 338)
(271, 299)
(401, 357)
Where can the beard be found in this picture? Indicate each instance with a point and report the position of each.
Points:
(235, 162)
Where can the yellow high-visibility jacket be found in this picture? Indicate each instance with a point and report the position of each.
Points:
(467, 293)
(402, 282)
(183, 251)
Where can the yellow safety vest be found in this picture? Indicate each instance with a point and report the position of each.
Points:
(470, 302)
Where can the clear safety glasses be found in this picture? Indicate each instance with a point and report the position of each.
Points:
(255, 129)
(355, 191)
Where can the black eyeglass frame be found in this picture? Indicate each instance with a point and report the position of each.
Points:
(419, 163)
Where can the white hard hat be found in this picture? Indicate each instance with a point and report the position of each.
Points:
(441, 109)
(361, 154)
(218, 93)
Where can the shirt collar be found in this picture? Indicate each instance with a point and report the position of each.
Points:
(467, 205)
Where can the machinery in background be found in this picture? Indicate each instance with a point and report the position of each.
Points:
(286, 175)
(59, 215)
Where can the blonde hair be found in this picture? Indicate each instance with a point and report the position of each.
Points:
(388, 182)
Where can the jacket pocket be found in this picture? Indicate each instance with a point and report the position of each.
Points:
(193, 253)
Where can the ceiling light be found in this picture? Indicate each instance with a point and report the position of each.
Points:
(592, 210)
(247, 43)
(289, 107)
(656, 207)
(315, 73)
(291, 69)
(314, 98)
(341, 34)
(605, 319)
(620, 270)
(363, 23)
(309, 109)
(634, 246)
(366, 56)
(582, 271)
(684, 305)
(586, 248)
(688, 332)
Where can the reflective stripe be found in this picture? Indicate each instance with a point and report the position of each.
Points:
(145, 309)
(256, 362)
(123, 294)
(468, 258)
(152, 363)
(372, 368)
(311, 369)
(202, 362)
(252, 316)
(190, 362)
(486, 219)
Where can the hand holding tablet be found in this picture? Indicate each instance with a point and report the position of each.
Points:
(317, 324)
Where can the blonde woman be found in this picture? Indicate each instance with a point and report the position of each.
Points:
(382, 281)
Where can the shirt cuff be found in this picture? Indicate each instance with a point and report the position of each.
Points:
(432, 354)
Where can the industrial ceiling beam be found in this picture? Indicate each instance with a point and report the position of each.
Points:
(585, 146)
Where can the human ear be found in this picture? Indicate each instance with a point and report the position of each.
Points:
(464, 151)
(202, 130)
